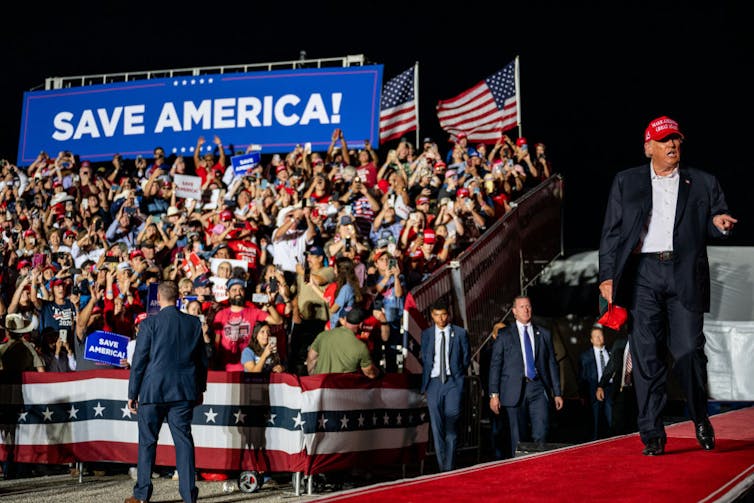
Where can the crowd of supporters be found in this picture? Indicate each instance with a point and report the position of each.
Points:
(282, 251)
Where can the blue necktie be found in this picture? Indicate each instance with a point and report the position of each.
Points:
(531, 371)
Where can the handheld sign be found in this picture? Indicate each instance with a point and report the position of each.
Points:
(106, 347)
(244, 163)
(153, 307)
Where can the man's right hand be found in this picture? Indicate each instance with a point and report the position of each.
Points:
(495, 404)
(600, 394)
(606, 290)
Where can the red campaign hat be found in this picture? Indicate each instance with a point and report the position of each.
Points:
(57, 281)
(440, 165)
(461, 135)
(612, 316)
(521, 141)
(69, 233)
(135, 253)
(463, 192)
(226, 215)
(384, 185)
(50, 266)
(422, 200)
(85, 163)
(23, 263)
(429, 237)
(29, 233)
(57, 183)
(139, 318)
(660, 128)
(280, 168)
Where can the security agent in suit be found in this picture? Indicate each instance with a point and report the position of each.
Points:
(168, 379)
(521, 379)
(653, 260)
(444, 393)
(592, 363)
(616, 384)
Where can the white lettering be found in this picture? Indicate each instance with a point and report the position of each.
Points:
(192, 115)
(284, 101)
(248, 111)
(315, 110)
(224, 113)
(168, 119)
(63, 126)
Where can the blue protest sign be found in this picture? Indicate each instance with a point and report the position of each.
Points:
(243, 163)
(153, 307)
(106, 347)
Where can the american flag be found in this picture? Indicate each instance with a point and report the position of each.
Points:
(484, 111)
(398, 114)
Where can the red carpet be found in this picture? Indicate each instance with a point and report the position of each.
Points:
(607, 470)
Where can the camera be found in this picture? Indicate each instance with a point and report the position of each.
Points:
(392, 262)
(273, 284)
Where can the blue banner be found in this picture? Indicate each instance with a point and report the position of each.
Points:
(106, 347)
(153, 307)
(276, 110)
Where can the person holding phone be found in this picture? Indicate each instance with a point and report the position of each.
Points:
(261, 354)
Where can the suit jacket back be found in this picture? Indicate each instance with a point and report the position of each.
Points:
(169, 362)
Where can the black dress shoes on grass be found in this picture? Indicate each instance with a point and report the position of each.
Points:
(654, 447)
(705, 435)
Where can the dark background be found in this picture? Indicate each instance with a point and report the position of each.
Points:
(591, 77)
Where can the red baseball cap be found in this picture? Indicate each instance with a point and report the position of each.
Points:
(461, 135)
(463, 192)
(521, 141)
(440, 165)
(226, 215)
(280, 168)
(23, 263)
(135, 253)
(29, 233)
(422, 200)
(57, 281)
(139, 318)
(69, 233)
(661, 128)
(429, 237)
(384, 185)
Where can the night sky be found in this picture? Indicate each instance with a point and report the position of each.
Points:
(591, 79)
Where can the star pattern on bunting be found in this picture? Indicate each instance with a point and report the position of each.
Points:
(47, 413)
(344, 422)
(22, 416)
(298, 422)
(126, 412)
(271, 418)
(322, 422)
(211, 415)
(98, 410)
(73, 412)
(240, 417)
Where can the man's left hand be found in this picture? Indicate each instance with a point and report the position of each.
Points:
(558, 402)
(724, 222)
(133, 405)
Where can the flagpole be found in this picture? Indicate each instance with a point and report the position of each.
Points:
(416, 104)
(518, 100)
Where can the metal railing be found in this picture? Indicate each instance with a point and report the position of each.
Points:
(109, 78)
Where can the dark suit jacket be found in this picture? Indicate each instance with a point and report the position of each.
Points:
(614, 366)
(169, 362)
(459, 356)
(588, 373)
(700, 198)
(507, 364)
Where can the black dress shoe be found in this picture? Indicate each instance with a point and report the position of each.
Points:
(705, 435)
(654, 447)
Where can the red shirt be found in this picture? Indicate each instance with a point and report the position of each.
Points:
(235, 330)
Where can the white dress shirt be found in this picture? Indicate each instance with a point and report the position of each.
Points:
(530, 331)
(436, 364)
(657, 235)
(605, 355)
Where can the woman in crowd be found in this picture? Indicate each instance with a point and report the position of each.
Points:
(261, 354)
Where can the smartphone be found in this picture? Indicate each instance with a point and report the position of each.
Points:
(129, 210)
(392, 262)
(239, 225)
(308, 147)
(273, 342)
(63, 334)
(202, 319)
(75, 271)
(273, 284)
(110, 259)
(260, 298)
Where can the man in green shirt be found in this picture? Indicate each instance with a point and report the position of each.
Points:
(339, 351)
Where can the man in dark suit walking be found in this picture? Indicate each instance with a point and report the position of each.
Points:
(445, 361)
(616, 383)
(523, 373)
(168, 379)
(653, 259)
(592, 364)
